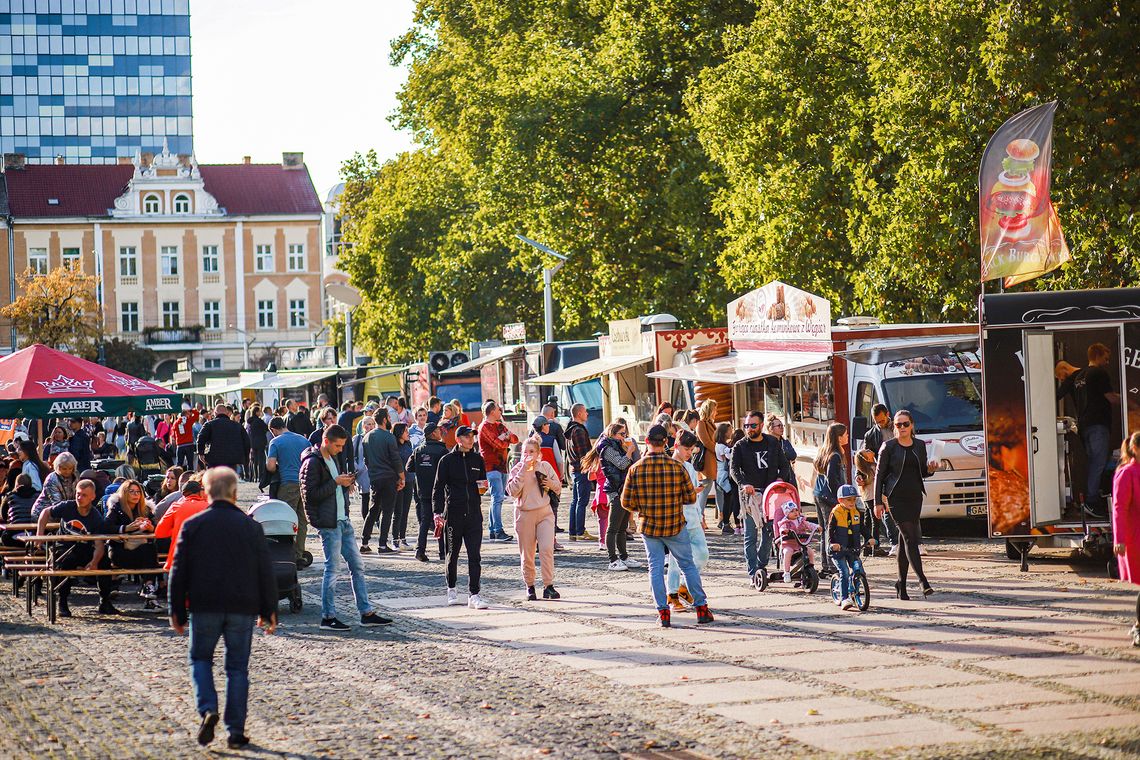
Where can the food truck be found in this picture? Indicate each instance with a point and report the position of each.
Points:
(423, 380)
(1036, 463)
(787, 358)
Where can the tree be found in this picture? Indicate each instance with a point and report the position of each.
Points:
(57, 309)
(128, 357)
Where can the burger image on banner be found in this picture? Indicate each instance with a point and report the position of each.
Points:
(1021, 235)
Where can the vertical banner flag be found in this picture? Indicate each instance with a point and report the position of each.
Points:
(1021, 235)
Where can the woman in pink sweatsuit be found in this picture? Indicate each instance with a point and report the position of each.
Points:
(531, 481)
(1126, 519)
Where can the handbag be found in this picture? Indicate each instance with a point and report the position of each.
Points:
(822, 491)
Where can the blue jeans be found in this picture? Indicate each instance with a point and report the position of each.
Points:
(341, 542)
(757, 559)
(703, 493)
(580, 497)
(844, 567)
(1095, 439)
(700, 554)
(497, 482)
(205, 630)
(681, 552)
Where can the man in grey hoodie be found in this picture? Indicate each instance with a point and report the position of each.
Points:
(386, 476)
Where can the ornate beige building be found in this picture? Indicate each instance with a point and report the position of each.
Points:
(220, 264)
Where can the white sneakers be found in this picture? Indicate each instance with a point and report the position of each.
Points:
(847, 604)
(618, 566)
(476, 602)
(787, 577)
(452, 596)
(632, 564)
(894, 552)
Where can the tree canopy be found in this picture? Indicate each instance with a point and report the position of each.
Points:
(684, 151)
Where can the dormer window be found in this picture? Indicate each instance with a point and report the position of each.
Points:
(152, 204)
(182, 204)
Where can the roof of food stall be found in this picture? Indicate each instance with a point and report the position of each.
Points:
(746, 366)
(579, 373)
(900, 349)
(489, 355)
(286, 380)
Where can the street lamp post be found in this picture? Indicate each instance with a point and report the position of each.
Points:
(245, 344)
(547, 278)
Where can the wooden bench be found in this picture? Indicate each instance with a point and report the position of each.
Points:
(51, 587)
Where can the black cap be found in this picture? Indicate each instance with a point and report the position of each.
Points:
(539, 423)
(464, 430)
(430, 428)
(657, 434)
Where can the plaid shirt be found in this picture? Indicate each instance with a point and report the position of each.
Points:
(658, 488)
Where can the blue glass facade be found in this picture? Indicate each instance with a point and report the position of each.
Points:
(93, 80)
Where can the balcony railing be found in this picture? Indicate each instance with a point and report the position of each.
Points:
(157, 336)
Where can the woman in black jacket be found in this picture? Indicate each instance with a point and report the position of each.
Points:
(830, 473)
(614, 456)
(902, 466)
(128, 511)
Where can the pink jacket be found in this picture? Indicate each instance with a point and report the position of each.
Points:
(1126, 519)
(801, 526)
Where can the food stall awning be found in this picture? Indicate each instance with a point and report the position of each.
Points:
(742, 368)
(886, 351)
(579, 373)
(395, 369)
(219, 389)
(488, 356)
(285, 381)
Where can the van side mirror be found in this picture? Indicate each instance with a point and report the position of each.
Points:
(859, 427)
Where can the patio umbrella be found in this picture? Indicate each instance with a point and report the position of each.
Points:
(41, 382)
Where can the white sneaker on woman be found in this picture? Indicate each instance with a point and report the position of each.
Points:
(894, 552)
(475, 602)
(452, 596)
(632, 564)
(618, 566)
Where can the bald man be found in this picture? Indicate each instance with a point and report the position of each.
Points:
(223, 441)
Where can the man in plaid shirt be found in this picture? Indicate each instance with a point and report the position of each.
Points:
(657, 488)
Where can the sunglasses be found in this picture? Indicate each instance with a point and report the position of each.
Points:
(751, 425)
(902, 424)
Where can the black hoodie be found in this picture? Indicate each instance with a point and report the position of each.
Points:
(759, 463)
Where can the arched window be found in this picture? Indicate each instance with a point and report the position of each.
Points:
(182, 204)
(152, 204)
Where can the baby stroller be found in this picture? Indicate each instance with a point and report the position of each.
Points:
(279, 522)
(803, 572)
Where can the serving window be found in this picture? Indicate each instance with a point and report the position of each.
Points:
(813, 397)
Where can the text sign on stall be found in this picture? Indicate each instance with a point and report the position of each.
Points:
(515, 331)
(625, 337)
(779, 313)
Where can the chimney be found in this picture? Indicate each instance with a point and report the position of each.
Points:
(124, 161)
(14, 161)
(60, 160)
(293, 160)
(246, 160)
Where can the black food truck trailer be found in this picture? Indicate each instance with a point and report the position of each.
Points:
(1038, 477)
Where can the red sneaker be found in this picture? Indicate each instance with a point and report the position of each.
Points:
(663, 615)
(703, 614)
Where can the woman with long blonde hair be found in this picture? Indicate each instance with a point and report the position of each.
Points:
(532, 482)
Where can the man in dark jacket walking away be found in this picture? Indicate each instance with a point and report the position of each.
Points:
(386, 478)
(423, 464)
(324, 492)
(757, 460)
(223, 578)
(223, 441)
(459, 504)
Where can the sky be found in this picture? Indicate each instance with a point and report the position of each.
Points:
(294, 75)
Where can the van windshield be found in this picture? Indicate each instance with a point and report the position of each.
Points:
(940, 403)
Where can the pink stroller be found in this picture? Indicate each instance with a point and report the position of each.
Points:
(770, 506)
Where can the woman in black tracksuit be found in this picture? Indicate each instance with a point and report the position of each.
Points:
(903, 464)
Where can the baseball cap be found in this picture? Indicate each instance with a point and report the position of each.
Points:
(540, 422)
(657, 434)
(464, 430)
(847, 491)
(430, 428)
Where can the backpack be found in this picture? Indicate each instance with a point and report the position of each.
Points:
(698, 457)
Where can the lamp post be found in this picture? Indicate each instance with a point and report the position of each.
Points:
(351, 298)
(547, 278)
(245, 344)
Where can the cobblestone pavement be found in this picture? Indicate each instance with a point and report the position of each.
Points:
(996, 663)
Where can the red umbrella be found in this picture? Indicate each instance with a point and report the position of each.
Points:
(41, 382)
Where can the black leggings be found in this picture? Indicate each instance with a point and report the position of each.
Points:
(615, 533)
(910, 533)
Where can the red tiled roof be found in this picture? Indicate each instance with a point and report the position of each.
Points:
(91, 189)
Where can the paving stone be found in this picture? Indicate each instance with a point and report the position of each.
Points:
(595, 640)
(968, 649)
(1061, 665)
(818, 662)
(804, 711)
(1118, 684)
(602, 660)
(903, 636)
(516, 633)
(649, 675)
(750, 690)
(978, 695)
(1058, 719)
(885, 733)
(1102, 638)
(913, 675)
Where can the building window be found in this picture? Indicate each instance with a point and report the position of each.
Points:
(171, 315)
(296, 261)
(210, 261)
(182, 204)
(212, 362)
(263, 259)
(129, 314)
(169, 260)
(297, 317)
(212, 315)
(266, 314)
(38, 260)
(152, 204)
(71, 258)
(128, 262)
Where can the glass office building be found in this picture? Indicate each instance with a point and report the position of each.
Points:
(94, 80)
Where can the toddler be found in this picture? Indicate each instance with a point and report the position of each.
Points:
(796, 524)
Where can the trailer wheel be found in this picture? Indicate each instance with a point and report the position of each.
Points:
(295, 601)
